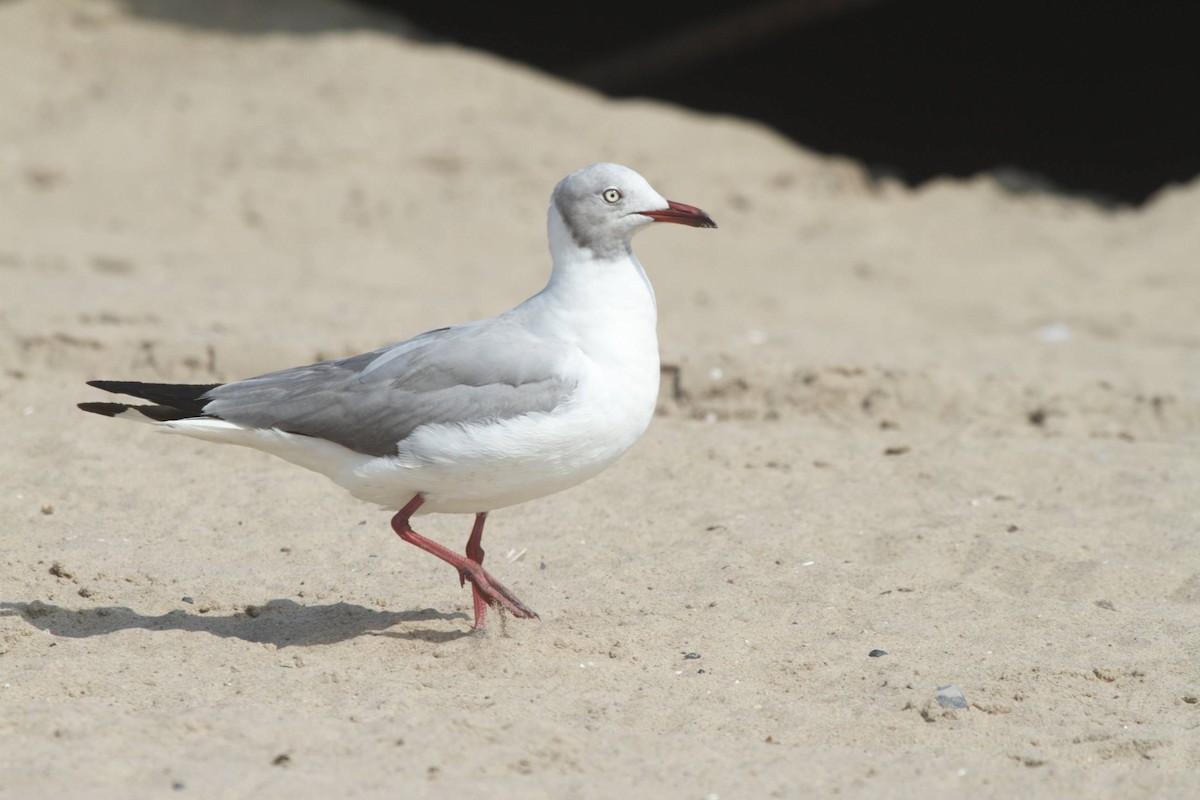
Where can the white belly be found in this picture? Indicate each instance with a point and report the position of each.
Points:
(463, 468)
(472, 468)
(467, 468)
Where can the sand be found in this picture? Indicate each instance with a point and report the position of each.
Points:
(959, 424)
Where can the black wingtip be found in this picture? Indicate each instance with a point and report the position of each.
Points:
(188, 398)
(103, 409)
(155, 413)
(116, 387)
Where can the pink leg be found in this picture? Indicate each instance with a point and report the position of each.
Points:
(475, 553)
(486, 590)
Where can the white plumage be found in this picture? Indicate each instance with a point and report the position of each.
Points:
(478, 416)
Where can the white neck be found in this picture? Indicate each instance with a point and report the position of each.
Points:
(617, 282)
(605, 309)
(606, 306)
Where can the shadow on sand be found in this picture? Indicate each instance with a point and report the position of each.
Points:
(283, 623)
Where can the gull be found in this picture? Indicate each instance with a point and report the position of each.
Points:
(473, 417)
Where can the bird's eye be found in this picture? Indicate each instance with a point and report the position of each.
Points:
(612, 195)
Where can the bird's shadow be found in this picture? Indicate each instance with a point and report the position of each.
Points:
(283, 623)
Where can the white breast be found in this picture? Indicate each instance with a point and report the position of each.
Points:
(607, 313)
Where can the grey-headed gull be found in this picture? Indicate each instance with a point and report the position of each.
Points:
(477, 416)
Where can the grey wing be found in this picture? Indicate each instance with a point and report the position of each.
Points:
(486, 370)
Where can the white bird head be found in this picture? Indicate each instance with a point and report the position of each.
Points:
(601, 206)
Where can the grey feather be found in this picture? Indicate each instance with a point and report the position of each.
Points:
(490, 370)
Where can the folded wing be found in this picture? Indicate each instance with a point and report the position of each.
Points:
(490, 370)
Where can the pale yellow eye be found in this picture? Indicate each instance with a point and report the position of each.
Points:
(612, 195)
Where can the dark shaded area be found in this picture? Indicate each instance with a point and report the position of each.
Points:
(283, 623)
(257, 17)
(1098, 98)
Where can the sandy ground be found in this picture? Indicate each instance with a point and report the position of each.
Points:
(960, 425)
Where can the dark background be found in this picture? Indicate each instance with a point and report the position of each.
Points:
(1096, 98)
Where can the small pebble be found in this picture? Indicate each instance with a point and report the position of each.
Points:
(188, 600)
(1053, 333)
(950, 696)
(688, 656)
(877, 653)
